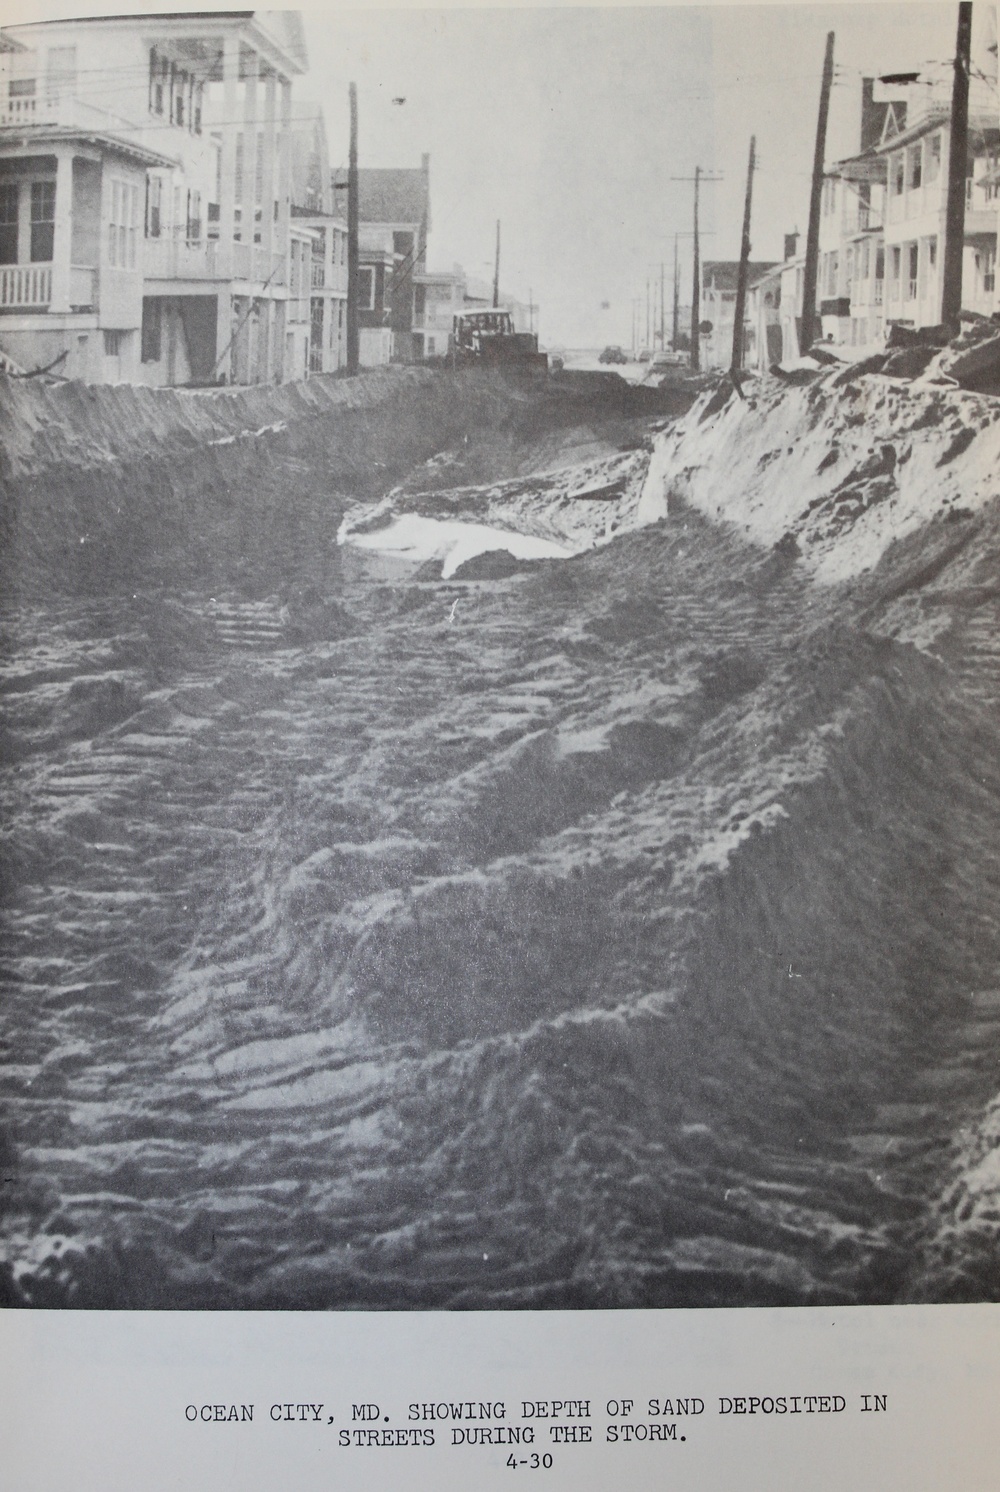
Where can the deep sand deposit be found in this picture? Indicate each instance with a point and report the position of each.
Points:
(617, 929)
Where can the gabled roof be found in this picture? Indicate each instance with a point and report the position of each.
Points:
(389, 195)
(983, 130)
(726, 271)
(894, 122)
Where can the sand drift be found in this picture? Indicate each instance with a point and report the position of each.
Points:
(616, 929)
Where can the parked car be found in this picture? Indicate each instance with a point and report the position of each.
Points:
(613, 355)
(667, 359)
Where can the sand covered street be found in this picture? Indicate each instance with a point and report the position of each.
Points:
(611, 923)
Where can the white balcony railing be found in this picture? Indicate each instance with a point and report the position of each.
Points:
(251, 262)
(62, 109)
(25, 287)
(176, 259)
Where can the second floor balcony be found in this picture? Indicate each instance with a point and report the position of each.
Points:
(63, 109)
(177, 259)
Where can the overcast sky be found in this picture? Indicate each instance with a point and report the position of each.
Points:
(569, 124)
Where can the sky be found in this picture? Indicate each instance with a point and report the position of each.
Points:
(571, 126)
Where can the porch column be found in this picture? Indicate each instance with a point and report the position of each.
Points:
(223, 334)
(62, 237)
(250, 151)
(227, 158)
(284, 176)
(268, 193)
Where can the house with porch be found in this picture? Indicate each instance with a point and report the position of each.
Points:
(916, 161)
(145, 196)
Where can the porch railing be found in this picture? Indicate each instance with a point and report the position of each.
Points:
(176, 259)
(25, 286)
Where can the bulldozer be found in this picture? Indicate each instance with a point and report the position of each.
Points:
(487, 339)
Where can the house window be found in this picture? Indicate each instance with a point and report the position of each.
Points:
(316, 335)
(152, 329)
(154, 206)
(932, 253)
(21, 88)
(113, 343)
(43, 221)
(366, 289)
(915, 165)
(866, 261)
(986, 262)
(122, 224)
(9, 195)
(913, 261)
(193, 233)
(897, 174)
(159, 76)
(933, 161)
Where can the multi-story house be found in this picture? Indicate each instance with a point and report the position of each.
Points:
(915, 209)
(718, 307)
(850, 273)
(145, 196)
(438, 297)
(762, 339)
(394, 217)
(883, 227)
(327, 289)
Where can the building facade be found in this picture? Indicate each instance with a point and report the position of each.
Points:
(718, 307)
(394, 213)
(145, 198)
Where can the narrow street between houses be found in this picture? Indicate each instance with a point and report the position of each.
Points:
(391, 924)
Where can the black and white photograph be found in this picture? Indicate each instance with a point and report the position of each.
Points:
(500, 659)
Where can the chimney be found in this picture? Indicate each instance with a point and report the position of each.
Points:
(872, 116)
(791, 244)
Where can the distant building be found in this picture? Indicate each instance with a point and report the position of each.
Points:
(762, 337)
(718, 307)
(326, 343)
(394, 214)
(438, 297)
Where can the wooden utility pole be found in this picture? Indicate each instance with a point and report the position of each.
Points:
(676, 328)
(954, 225)
(808, 331)
(741, 280)
(696, 285)
(496, 271)
(698, 177)
(663, 327)
(353, 336)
